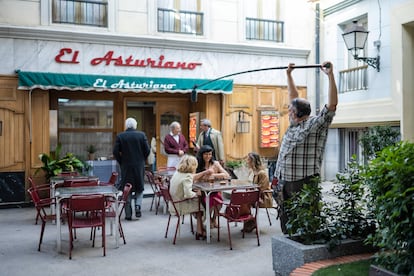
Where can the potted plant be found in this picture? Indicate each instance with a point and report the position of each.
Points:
(91, 149)
(54, 165)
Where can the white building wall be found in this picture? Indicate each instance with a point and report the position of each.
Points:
(379, 103)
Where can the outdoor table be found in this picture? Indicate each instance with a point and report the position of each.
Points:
(54, 180)
(67, 192)
(218, 186)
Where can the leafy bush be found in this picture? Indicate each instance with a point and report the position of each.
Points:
(304, 213)
(234, 164)
(54, 165)
(390, 177)
(377, 138)
(349, 215)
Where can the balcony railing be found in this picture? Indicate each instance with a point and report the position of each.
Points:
(183, 22)
(81, 12)
(262, 29)
(353, 79)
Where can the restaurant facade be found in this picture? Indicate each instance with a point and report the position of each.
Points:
(76, 90)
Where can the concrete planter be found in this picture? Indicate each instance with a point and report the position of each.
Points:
(378, 271)
(288, 254)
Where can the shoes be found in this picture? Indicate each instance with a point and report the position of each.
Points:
(128, 218)
(199, 236)
(248, 227)
(138, 212)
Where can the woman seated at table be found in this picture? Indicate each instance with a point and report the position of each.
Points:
(261, 179)
(209, 170)
(181, 187)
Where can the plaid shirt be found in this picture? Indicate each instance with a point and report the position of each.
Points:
(303, 146)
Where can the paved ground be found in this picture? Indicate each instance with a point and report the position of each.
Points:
(147, 252)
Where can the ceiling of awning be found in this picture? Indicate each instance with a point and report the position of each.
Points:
(83, 82)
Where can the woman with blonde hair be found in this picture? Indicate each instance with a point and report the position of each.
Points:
(261, 179)
(181, 187)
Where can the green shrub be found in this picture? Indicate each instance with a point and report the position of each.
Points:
(390, 177)
(304, 212)
(53, 164)
(350, 215)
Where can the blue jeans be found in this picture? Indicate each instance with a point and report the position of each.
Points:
(138, 202)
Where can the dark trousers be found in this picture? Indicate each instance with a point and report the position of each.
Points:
(288, 189)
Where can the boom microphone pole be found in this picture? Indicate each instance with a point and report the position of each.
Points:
(194, 91)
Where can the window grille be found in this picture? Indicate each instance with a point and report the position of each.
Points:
(263, 29)
(184, 22)
(80, 12)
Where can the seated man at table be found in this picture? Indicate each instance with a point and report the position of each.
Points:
(181, 187)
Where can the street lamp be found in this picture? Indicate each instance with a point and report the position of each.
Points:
(355, 38)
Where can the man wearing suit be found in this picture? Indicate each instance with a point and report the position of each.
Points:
(131, 149)
(212, 137)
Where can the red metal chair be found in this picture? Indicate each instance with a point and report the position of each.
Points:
(235, 213)
(110, 212)
(41, 212)
(167, 196)
(111, 181)
(94, 206)
(42, 189)
(155, 184)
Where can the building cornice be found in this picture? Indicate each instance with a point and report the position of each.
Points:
(338, 7)
(36, 33)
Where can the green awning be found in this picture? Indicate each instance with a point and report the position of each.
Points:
(46, 81)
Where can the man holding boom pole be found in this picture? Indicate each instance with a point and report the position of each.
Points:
(303, 144)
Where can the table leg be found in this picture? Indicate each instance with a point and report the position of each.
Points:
(116, 221)
(208, 230)
(58, 226)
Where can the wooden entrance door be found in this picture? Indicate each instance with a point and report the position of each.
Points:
(167, 111)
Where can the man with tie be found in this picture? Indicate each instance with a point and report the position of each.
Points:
(213, 138)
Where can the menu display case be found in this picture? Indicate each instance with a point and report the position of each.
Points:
(194, 127)
(269, 129)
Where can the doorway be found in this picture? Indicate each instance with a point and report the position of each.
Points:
(145, 114)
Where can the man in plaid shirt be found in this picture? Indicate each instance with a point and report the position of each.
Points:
(303, 144)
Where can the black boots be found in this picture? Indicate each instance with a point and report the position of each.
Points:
(138, 211)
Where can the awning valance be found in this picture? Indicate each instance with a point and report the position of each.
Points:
(45, 81)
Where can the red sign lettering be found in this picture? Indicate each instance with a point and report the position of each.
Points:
(67, 55)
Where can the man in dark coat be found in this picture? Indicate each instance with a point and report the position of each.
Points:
(131, 150)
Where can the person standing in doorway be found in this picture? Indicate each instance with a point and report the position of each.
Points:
(131, 150)
(175, 145)
(303, 144)
(213, 138)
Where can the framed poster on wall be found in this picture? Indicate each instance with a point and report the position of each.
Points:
(269, 129)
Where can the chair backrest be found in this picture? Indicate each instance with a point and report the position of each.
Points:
(35, 196)
(32, 183)
(113, 178)
(81, 203)
(152, 181)
(82, 183)
(68, 174)
(165, 192)
(238, 197)
(126, 191)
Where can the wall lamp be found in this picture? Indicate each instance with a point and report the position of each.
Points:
(355, 38)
